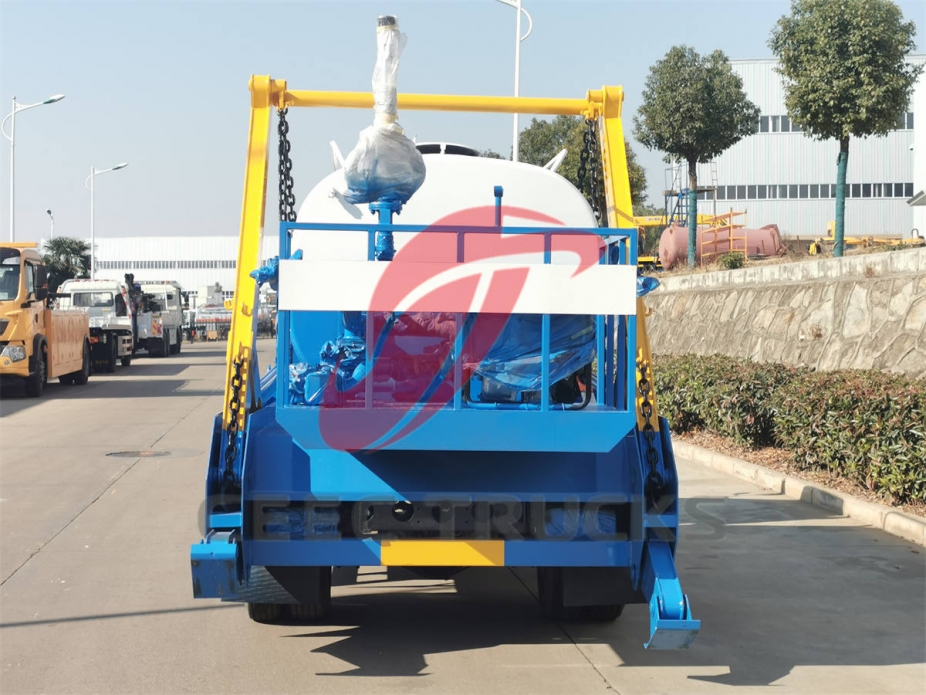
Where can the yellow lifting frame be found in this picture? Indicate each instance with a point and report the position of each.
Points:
(267, 93)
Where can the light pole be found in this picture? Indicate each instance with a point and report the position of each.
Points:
(12, 138)
(89, 184)
(516, 4)
(52, 223)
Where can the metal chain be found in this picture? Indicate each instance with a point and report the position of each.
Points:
(234, 408)
(287, 197)
(654, 480)
(590, 165)
(287, 214)
(583, 162)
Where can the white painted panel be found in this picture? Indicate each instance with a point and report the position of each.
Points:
(548, 289)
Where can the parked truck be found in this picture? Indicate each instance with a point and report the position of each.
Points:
(471, 388)
(167, 296)
(38, 343)
(118, 321)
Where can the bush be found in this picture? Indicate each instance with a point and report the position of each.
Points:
(681, 385)
(869, 427)
(732, 260)
(723, 394)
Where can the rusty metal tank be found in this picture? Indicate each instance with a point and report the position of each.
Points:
(712, 242)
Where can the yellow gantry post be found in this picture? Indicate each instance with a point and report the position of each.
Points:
(603, 105)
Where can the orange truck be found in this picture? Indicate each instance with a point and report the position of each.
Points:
(37, 343)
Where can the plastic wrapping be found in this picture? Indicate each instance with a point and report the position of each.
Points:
(385, 165)
(271, 272)
(514, 360)
(413, 359)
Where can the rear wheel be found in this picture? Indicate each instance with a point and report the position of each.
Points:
(321, 606)
(179, 342)
(83, 376)
(550, 588)
(126, 360)
(265, 612)
(35, 382)
(112, 357)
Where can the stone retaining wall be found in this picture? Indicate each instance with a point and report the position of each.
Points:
(859, 312)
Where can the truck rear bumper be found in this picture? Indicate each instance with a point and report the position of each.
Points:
(217, 568)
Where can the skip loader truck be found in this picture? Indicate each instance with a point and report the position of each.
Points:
(38, 343)
(472, 387)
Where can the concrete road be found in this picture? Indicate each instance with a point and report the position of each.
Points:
(96, 590)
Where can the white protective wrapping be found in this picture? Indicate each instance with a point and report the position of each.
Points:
(384, 165)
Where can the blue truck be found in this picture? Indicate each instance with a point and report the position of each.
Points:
(472, 387)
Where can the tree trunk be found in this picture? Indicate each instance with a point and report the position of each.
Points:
(692, 211)
(842, 164)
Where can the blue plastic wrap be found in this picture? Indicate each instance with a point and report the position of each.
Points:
(646, 284)
(515, 360)
(414, 355)
(271, 272)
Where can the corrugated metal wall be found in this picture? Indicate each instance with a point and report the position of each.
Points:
(792, 159)
(192, 261)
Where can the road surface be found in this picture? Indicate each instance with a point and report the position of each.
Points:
(96, 593)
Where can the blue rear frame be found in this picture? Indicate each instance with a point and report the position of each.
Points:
(547, 427)
(593, 459)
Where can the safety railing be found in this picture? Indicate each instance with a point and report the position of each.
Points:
(605, 290)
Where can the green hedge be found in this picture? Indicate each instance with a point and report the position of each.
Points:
(867, 426)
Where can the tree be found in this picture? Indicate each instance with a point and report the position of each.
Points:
(66, 258)
(845, 74)
(693, 109)
(542, 140)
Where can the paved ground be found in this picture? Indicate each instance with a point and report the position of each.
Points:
(96, 592)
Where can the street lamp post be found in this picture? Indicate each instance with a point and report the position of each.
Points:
(12, 138)
(52, 223)
(516, 4)
(89, 184)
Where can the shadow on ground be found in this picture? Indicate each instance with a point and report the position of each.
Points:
(776, 583)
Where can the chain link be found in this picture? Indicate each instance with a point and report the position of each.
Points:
(285, 169)
(590, 166)
(287, 214)
(234, 408)
(654, 480)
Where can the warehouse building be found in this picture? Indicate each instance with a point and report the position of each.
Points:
(780, 176)
(194, 262)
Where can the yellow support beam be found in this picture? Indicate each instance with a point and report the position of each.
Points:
(443, 102)
(614, 158)
(241, 334)
(267, 93)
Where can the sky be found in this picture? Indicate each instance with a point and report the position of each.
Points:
(162, 85)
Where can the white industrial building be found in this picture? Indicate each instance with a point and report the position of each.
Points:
(780, 176)
(194, 262)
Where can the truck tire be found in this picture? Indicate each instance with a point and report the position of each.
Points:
(35, 382)
(179, 341)
(83, 376)
(126, 360)
(317, 610)
(112, 358)
(265, 612)
(162, 347)
(550, 588)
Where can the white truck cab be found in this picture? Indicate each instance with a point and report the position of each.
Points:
(114, 328)
(167, 295)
